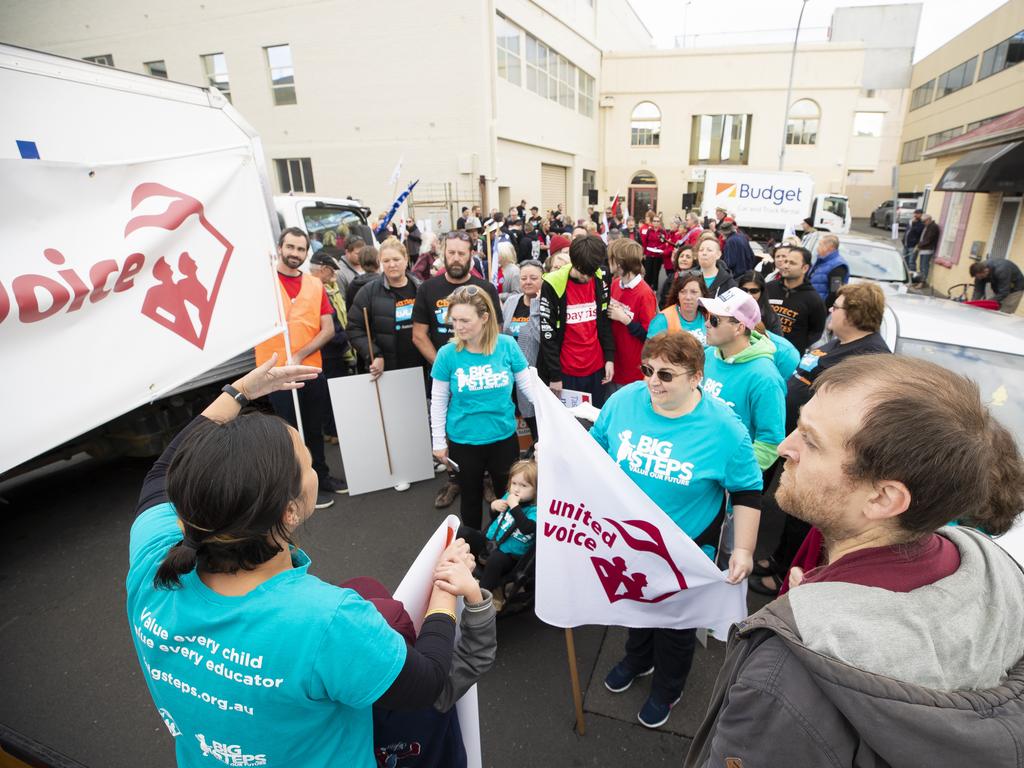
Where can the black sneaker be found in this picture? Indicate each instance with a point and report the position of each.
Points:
(620, 678)
(333, 485)
(323, 500)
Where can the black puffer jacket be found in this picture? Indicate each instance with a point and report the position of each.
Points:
(379, 298)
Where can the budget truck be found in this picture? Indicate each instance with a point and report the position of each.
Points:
(767, 204)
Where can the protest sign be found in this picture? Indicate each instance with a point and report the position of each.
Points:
(403, 409)
(606, 554)
(414, 594)
(125, 282)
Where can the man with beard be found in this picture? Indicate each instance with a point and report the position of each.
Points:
(310, 326)
(430, 329)
(904, 645)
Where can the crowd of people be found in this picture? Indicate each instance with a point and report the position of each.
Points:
(767, 374)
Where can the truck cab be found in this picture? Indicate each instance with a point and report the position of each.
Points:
(831, 213)
(317, 214)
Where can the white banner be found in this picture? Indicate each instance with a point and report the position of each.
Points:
(414, 594)
(122, 282)
(606, 554)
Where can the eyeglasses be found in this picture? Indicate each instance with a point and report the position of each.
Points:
(663, 374)
(714, 320)
(751, 291)
(468, 290)
(838, 306)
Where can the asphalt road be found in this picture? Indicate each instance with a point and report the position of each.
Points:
(71, 681)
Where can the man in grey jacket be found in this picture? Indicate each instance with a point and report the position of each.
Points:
(902, 644)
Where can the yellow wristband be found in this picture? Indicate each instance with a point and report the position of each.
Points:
(441, 611)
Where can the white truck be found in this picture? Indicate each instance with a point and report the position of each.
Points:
(766, 204)
(71, 112)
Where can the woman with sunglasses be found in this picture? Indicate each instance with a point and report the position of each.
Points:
(685, 312)
(702, 451)
(472, 417)
(786, 355)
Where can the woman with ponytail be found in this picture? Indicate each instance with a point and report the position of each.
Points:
(248, 656)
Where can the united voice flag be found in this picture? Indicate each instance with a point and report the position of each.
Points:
(606, 553)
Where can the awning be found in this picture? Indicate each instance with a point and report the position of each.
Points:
(990, 169)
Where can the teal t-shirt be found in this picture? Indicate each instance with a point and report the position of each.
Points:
(787, 357)
(284, 675)
(517, 543)
(696, 326)
(754, 390)
(684, 465)
(480, 410)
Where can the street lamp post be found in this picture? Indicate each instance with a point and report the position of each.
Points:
(789, 88)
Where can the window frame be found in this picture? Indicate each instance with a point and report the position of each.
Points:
(148, 65)
(915, 151)
(586, 94)
(916, 102)
(1000, 61)
(956, 75)
(281, 88)
(881, 123)
(285, 168)
(714, 142)
(208, 61)
(644, 131)
(509, 60)
(103, 59)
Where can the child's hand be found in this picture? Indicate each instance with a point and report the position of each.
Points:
(456, 579)
(499, 505)
(512, 501)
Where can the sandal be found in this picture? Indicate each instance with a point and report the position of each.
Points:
(756, 584)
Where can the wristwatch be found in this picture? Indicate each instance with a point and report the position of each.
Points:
(239, 398)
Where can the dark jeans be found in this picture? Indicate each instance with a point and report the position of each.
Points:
(652, 268)
(333, 368)
(669, 651)
(473, 461)
(314, 403)
(591, 384)
(498, 563)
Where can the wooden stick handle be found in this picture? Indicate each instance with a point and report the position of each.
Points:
(574, 674)
(376, 383)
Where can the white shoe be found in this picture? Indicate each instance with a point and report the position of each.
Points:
(402, 487)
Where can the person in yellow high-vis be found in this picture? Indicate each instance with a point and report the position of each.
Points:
(309, 315)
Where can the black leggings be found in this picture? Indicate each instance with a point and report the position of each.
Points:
(498, 563)
(652, 268)
(473, 461)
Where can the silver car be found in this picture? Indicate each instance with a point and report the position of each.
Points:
(868, 259)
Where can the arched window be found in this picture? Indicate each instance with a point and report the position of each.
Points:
(643, 177)
(802, 122)
(645, 125)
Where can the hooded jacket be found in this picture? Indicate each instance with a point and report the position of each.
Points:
(835, 674)
(552, 321)
(750, 384)
(379, 298)
(800, 310)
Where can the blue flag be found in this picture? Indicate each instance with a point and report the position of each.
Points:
(394, 209)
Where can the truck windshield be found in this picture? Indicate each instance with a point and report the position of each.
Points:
(836, 205)
(344, 221)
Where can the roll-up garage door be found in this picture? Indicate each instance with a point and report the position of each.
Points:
(552, 187)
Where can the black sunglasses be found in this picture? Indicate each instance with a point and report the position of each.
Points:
(714, 320)
(662, 374)
(457, 234)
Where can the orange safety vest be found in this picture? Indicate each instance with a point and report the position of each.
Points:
(303, 317)
(672, 316)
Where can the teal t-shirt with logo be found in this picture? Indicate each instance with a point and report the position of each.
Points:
(480, 410)
(684, 464)
(284, 675)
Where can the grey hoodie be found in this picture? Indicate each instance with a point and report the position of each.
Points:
(836, 674)
(474, 651)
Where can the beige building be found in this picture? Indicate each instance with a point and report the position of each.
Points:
(668, 115)
(483, 102)
(968, 81)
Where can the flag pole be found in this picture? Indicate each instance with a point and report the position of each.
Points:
(574, 674)
(376, 383)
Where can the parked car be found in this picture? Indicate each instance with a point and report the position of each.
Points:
(882, 215)
(869, 259)
(988, 347)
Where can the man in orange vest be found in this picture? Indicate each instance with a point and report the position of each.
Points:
(310, 326)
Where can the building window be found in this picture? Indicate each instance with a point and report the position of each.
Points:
(958, 77)
(216, 67)
(645, 125)
(937, 138)
(868, 123)
(1000, 57)
(589, 182)
(978, 123)
(510, 59)
(802, 123)
(566, 82)
(720, 139)
(586, 89)
(912, 151)
(156, 68)
(922, 95)
(282, 74)
(537, 67)
(295, 174)
(106, 59)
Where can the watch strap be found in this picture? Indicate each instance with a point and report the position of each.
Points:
(239, 398)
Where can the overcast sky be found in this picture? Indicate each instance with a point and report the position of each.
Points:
(730, 22)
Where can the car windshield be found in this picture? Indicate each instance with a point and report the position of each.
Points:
(874, 262)
(1000, 376)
